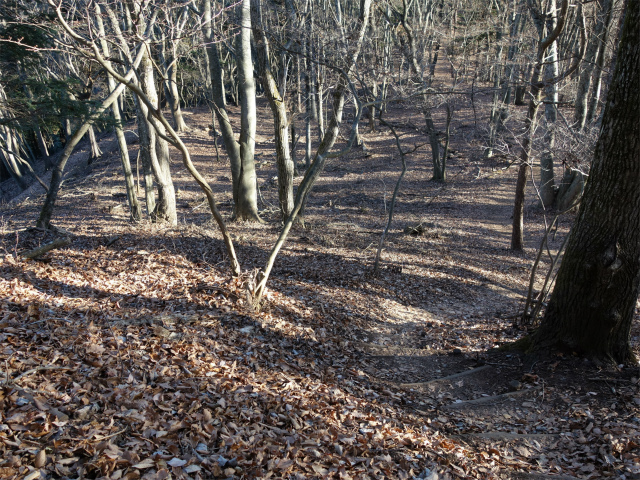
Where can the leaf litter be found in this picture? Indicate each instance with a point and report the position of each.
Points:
(132, 354)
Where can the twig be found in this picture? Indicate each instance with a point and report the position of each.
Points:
(614, 380)
(490, 400)
(392, 205)
(57, 243)
(112, 240)
(105, 437)
(442, 379)
(33, 370)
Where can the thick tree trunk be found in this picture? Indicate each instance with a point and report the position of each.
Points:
(145, 157)
(241, 154)
(165, 209)
(219, 104)
(593, 302)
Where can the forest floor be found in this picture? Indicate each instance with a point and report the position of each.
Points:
(132, 352)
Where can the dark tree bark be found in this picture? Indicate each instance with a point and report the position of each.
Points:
(593, 302)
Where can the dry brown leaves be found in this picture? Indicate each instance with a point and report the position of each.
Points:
(130, 354)
(102, 386)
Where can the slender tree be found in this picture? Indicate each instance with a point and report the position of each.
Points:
(246, 188)
(275, 95)
(241, 153)
(134, 206)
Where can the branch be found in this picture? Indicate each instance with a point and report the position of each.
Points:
(37, 252)
(34, 370)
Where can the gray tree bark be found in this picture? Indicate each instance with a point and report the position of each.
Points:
(165, 209)
(275, 96)
(551, 71)
(314, 171)
(599, 66)
(95, 151)
(169, 54)
(531, 122)
(584, 83)
(246, 187)
(241, 154)
(44, 220)
(134, 206)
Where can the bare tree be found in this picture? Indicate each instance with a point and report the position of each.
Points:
(537, 88)
(134, 206)
(324, 149)
(275, 94)
(241, 153)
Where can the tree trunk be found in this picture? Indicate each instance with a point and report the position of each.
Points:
(322, 153)
(241, 154)
(593, 302)
(172, 93)
(170, 66)
(496, 107)
(134, 206)
(219, 104)
(319, 101)
(531, 122)
(411, 54)
(551, 71)
(44, 220)
(372, 108)
(10, 156)
(599, 66)
(276, 100)
(584, 83)
(307, 119)
(165, 209)
(42, 145)
(145, 157)
(93, 143)
(246, 188)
